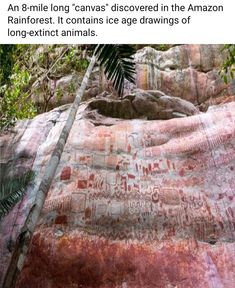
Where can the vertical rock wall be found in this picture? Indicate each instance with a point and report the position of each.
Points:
(27, 146)
(134, 203)
(186, 71)
(140, 204)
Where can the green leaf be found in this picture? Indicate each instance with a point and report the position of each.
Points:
(225, 79)
(12, 189)
(227, 68)
(118, 64)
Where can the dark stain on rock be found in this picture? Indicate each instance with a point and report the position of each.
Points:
(87, 213)
(61, 219)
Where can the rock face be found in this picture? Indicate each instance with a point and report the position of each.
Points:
(186, 71)
(134, 203)
(27, 146)
(149, 104)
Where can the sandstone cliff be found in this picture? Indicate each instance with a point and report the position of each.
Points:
(186, 71)
(136, 201)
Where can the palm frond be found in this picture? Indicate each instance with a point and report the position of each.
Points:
(118, 63)
(12, 189)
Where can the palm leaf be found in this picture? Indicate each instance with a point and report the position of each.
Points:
(12, 189)
(118, 63)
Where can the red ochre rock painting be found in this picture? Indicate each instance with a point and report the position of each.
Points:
(66, 173)
(151, 204)
(164, 218)
(79, 260)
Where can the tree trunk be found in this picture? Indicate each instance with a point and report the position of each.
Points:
(23, 240)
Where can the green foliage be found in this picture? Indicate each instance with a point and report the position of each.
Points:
(162, 47)
(16, 103)
(42, 59)
(118, 64)
(73, 59)
(6, 62)
(228, 69)
(71, 88)
(59, 95)
(12, 189)
(22, 66)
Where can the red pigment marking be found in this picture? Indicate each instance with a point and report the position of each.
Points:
(155, 165)
(66, 173)
(129, 148)
(130, 176)
(221, 196)
(168, 164)
(82, 184)
(62, 219)
(92, 177)
(87, 213)
(181, 173)
(208, 209)
(190, 167)
(100, 263)
(134, 156)
(111, 148)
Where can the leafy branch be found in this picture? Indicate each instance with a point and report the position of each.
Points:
(12, 189)
(118, 63)
(228, 69)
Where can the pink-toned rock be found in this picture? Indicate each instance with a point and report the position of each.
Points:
(27, 146)
(148, 204)
(187, 71)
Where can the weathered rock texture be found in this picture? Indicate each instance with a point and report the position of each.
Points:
(186, 71)
(149, 104)
(134, 203)
(27, 146)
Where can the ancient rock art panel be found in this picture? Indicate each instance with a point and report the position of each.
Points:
(152, 196)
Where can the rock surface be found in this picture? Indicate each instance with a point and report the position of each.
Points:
(27, 146)
(134, 203)
(186, 71)
(149, 104)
